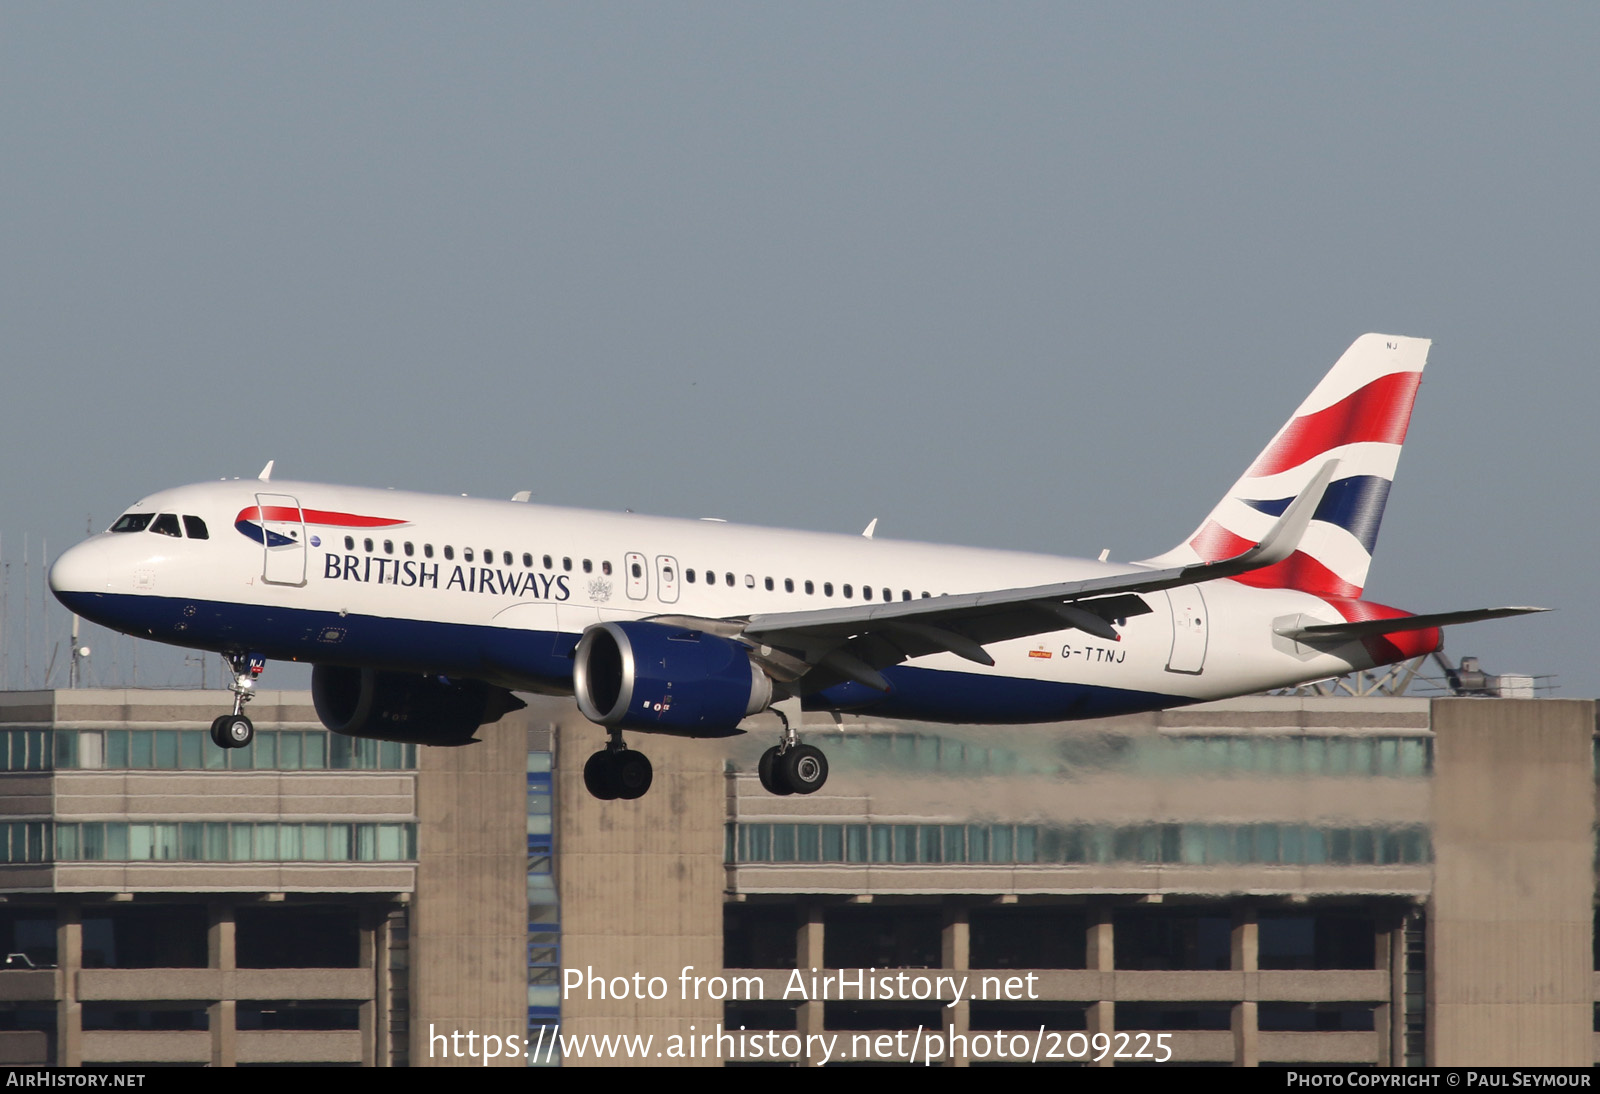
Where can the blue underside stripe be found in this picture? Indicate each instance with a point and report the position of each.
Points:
(522, 658)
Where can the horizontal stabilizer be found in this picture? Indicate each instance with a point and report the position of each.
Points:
(1368, 628)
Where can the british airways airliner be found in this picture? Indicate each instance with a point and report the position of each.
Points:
(422, 614)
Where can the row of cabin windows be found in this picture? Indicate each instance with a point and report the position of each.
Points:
(165, 524)
(867, 591)
(467, 555)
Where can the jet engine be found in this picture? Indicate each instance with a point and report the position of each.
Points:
(667, 679)
(409, 707)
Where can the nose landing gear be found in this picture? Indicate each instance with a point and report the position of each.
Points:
(235, 730)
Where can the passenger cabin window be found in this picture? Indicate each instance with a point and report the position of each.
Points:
(788, 584)
(605, 568)
(730, 579)
(349, 543)
(769, 584)
(810, 588)
(388, 546)
(409, 549)
(167, 525)
(367, 543)
(749, 581)
(195, 528)
(548, 564)
(636, 570)
(427, 550)
(566, 564)
(466, 554)
(847, 592)
(688, 575)
(827, 588)
(133, 522)
(866, 592)
(527, 560)
(505, 557)
(449, 552)
(588, 567)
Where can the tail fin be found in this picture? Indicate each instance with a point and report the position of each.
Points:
(1357, 415)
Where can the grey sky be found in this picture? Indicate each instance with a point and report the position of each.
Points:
(1039, 276)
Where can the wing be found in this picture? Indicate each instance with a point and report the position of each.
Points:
(854, 643)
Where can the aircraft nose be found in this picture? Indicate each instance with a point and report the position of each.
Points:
(80, 569)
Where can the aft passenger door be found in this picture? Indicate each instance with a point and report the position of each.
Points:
(1189, 627)
(283, 538)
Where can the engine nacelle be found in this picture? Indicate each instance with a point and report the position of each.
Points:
(409, 707)
(667, 679)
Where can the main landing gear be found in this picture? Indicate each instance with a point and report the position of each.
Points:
(235, 730)
(617, 771)
(790, 767)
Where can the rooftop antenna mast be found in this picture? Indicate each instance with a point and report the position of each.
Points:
(79, 655)
(27, 633)
(47, 652)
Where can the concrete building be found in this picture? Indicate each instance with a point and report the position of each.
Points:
(1268, 880)
(1383, 881)
(164, 901)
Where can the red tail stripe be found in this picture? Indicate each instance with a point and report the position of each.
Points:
(1298, 571)
(314, 516)
(1378, 412)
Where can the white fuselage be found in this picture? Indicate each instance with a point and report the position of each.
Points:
(501, 591)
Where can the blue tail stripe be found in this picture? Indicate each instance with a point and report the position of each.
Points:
(1354, 504)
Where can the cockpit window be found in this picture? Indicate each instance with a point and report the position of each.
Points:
(167, 525)
(195, 527)
(133, 522)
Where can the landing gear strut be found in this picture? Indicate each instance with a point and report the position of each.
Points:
(235, 730)
(790, 767)
(617, 771)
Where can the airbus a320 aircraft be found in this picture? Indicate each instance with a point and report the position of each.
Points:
(422, 614)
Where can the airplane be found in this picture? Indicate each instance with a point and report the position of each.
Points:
(421, 615)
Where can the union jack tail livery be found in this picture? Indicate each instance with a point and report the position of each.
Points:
(1356, 416)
